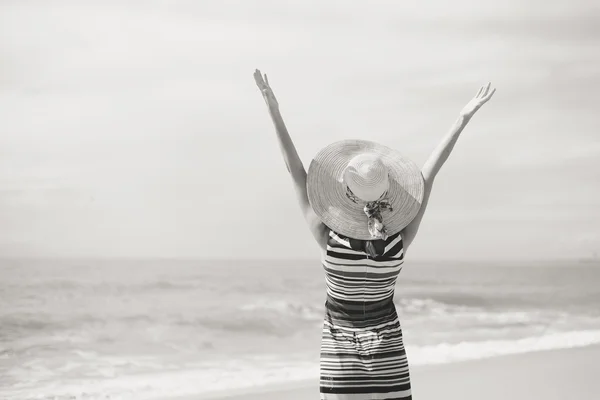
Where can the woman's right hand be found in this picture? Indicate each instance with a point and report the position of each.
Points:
(265, 89)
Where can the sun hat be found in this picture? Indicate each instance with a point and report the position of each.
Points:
(364, 190)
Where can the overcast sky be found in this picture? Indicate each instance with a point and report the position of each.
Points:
(134, 128)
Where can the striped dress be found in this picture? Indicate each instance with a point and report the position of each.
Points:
(362, 352)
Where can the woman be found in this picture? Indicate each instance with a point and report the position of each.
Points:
(363, 203)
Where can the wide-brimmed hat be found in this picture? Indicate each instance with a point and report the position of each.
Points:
(364, 190)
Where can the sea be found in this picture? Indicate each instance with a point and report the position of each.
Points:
(147, 329)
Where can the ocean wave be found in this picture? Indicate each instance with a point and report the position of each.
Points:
(429, 308)
(407, 309)
(15, 325)
(303, 311)
(279, 318)
(492, 298)
(444, 353)
(417, 305)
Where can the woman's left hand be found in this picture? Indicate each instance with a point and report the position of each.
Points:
(480, 99)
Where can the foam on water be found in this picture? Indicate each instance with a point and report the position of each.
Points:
(195, 379)
(444, 353)
(167, 381)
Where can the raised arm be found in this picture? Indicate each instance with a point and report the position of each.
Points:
(292, 160)
(440, 155)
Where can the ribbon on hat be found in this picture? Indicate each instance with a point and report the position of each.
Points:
(373, 211)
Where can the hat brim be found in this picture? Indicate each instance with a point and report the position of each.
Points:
(327, 191)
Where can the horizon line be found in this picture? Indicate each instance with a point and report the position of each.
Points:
(582, 260)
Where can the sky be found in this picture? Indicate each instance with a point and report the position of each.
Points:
(135, 129)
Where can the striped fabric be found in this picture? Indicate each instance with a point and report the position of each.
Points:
(362, 352)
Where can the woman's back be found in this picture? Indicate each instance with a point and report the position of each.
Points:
(362, 338)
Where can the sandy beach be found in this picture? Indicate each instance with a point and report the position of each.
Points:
(547, 375)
